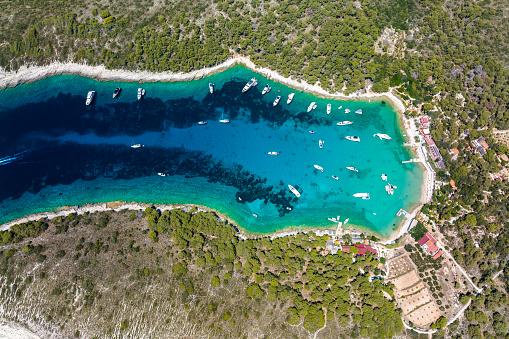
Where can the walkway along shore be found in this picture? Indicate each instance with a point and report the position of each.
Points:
(33, 73)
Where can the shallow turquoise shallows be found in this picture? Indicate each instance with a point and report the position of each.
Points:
(56, 151)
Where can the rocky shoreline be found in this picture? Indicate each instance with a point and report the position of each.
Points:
(28, 74)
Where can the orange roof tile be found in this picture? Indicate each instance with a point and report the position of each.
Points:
(436, 256)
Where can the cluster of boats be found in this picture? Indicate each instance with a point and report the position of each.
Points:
(92, 94)
(253, 82)
(267, 89)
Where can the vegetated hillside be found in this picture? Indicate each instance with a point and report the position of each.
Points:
(184, 274)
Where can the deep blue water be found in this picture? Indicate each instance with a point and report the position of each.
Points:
(55, 151)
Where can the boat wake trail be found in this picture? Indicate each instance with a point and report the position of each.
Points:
(12, 158)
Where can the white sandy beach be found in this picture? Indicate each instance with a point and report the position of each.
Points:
(33, 73)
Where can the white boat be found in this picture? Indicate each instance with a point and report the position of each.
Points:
(224, 121)
(251, 83)
(389, 189)
(347, 219)
(352, 169)
(332, 219)
(382, 136)
(384, 177)
(136, 146)
(359, 111)
(255, 215)
(314, 106)
(273, 153)
(161, 174)
(353, 138)
(347, 111)
(289, 208)
(340, 107)
(311, 106)
(211, 87)
(116, 92)
(320, 143)
(312, 132)
(361, 195)
(141, 93)
(266, 89)
(335, 177)
(320, 168)
(202, 122)
(290, 98)
(276, 102)
(366, 198)
(294, 191)
(90, 97)
(329, 106)
(343, 123)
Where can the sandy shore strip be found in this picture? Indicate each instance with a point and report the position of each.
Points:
(33, 73)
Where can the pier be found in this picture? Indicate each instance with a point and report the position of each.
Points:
(402, 212)
(411, 160)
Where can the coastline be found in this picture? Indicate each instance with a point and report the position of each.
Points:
(118, 206)
(28, 74)
(33, 73)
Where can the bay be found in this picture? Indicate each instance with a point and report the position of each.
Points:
(55, 151)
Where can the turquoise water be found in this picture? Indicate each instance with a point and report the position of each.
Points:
(55, 151)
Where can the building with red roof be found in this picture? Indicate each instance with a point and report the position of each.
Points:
(428, 244)
(438, 255)
(423, 240)
(345, 249)
(363, 249)
(432, 250)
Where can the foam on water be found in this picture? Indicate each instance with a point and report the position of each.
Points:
(82, 154)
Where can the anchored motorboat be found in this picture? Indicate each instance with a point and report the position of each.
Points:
(116, 92)
(320, 168)
(294, 191)
(90, 97)
(290, 98)
(353, 138)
